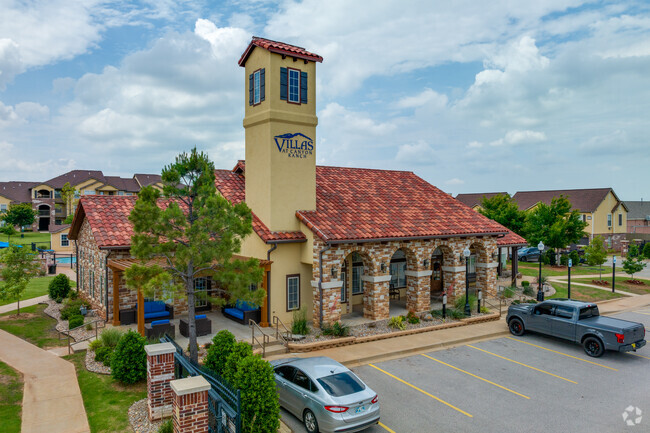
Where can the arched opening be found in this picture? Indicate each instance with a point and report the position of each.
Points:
(477, 268)
(43, 193)
(43, 218)
(353, 268)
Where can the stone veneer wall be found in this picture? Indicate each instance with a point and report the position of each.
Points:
(376, 281)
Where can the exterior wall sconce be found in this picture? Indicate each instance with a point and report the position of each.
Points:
(425, 263)
(383, 267)
(495, 255)
(333, 272)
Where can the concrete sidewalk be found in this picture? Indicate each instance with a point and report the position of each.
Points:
(52, 399)
(26, 303)
(398, 347)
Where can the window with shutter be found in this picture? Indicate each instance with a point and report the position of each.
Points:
(256, 83)
(294, 85)
(251, 87)
(303, 87)
(262, 85)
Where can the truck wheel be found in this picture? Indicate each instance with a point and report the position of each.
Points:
(516, 327)
(593, 347)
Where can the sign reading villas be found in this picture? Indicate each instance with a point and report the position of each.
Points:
(294, 145)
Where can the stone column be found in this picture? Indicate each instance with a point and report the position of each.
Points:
(190, 404)
(454, 280)
(418, 291)
(160, 371)
(331, 302)
(376, 302)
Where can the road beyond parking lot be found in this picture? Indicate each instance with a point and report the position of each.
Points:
(531, 383)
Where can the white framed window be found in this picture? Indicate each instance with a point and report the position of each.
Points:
(293, 292)
(294, 85)
(398, 274)
(609, 220)
(620, 219)
(65, 242)
(256, 87)
(120, 193)
(89, 192)
(344, 287)
(472, 264)
(3, 208)
(357, 282)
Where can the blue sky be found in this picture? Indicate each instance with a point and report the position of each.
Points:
(472, 96)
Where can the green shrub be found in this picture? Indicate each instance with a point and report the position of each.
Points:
(58, 288)
(104, 355)
(459, 302)
(129, 363)
(260, 407)
(531, 301)
(528, 291)
(73, 294)
(110, 337)
(95, 344)
(436, 313)
(564, 260)
(412, 318)
(646, 250)
(75, 321)
(575, 258)
(89, 327)
(166, 427)
(299, 324)
(525, 283)
(336, 330)
(484, 310)
(543, 280)
(239, 351)
(71, 308)
(455, 314)
(508, 292)
(218, 352)
(397, 322)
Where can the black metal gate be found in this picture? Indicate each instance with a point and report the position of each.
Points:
(224, 403)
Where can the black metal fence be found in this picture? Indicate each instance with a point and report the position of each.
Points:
(224, 403)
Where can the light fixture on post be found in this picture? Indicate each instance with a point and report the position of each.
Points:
(466, 254)
(540, 293)
(333, 272)
(425, 263)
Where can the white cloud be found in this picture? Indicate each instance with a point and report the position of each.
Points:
(454, 181)
(227, 42)
(416, 153)
(474, 145)
(10, 63)
(18, 164)
(519, 137)
(427, 96)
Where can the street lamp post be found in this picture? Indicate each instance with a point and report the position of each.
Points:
(540, 293)
(466, 254)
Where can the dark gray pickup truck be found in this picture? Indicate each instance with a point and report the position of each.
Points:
(579, 322)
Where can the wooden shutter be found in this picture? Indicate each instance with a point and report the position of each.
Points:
(262, 86)
(251, 89)
(283, 84)
(303, 87)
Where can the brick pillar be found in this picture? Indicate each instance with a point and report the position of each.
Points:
(160, 371)
(331, 302)
(418, 291)
(454, 280)
(376, 302)
(190, 397)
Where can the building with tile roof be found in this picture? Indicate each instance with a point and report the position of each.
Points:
(474, 200)
(338, 241)
(602, 210)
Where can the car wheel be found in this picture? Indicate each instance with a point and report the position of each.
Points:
(516, 327)
(593, 347)
(309, 419)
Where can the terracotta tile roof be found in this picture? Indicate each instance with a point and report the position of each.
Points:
(473, 199)
(231, 185)
(584, 200)
(108, 216)
(512, 239)
(19, 192)
(280, 48)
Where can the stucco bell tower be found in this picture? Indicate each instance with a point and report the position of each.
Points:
(280, 124)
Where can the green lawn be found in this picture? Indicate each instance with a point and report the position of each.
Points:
(107, 402)
(11, 397)
(581, 293)
(32, 325)
(27, 239)
(36, 287)
(621, 284)
(532, 270)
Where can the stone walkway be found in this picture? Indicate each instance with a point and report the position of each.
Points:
(52, 400)
(26, 303)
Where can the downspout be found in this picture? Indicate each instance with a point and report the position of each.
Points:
(320, 283)
(268, 284)
(106, 281)
(76, 247)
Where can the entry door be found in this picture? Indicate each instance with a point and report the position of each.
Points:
(436, 278)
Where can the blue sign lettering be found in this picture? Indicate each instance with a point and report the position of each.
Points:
(294, 145)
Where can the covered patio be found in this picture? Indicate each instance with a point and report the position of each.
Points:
(129, 306)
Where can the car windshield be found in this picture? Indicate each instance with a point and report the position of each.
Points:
(587, 312)
(341, 384)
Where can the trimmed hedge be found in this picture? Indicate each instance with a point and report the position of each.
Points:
(239, 351)
(129, 363)
(222, 345)
(259, 396)
(75, 321)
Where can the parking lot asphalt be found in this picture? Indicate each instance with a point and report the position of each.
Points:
(531, 383)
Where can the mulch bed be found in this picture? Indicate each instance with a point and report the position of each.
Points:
(600, 282)
(637, 282)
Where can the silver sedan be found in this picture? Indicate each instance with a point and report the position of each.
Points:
(325, 395)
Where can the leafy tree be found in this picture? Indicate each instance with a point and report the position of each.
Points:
(68, 194)
(502, 209)
(646, 250)
(8, 231)
(68, 219)
(633, 251)
(196, 232)
(259, 395)
(556, 224)
(632, 265)
(596, 253)
(20, 214)
(20, 265)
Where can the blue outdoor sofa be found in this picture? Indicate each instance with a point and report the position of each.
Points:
(156, 310)
(242, 312)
